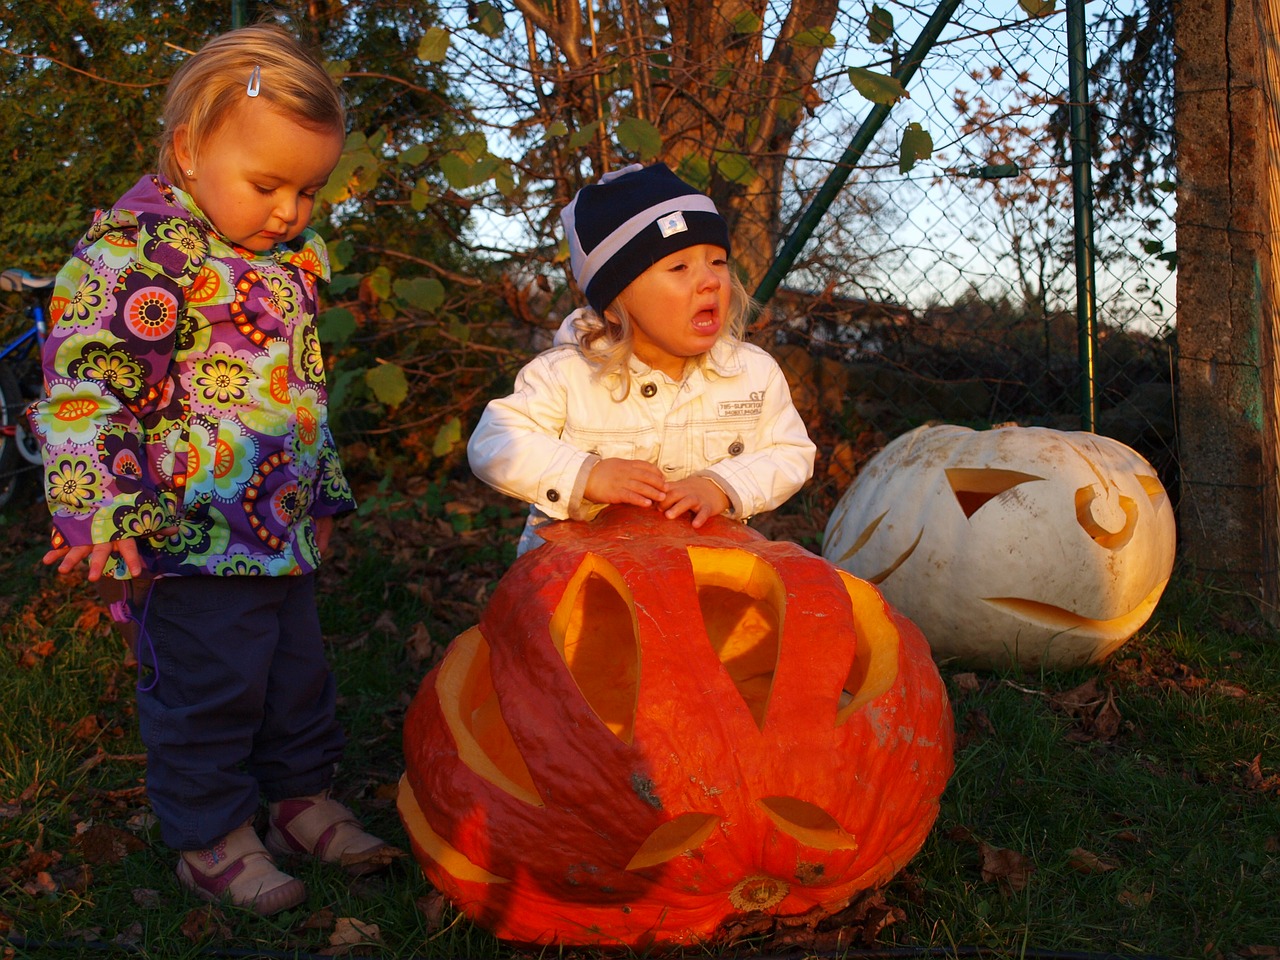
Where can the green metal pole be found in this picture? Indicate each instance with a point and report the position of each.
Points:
(1082, 198)
(237, 14)
(852, 155)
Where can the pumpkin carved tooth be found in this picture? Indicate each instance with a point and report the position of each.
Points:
(655, 730)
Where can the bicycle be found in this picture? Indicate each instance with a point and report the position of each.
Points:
(21, 382)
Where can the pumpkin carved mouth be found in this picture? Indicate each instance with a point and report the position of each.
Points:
(1065, 621)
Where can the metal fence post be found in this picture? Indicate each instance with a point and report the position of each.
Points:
(1082, 199)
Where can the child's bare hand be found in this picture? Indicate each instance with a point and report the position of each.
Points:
(67, 558)
(615, 480)
(697, 495)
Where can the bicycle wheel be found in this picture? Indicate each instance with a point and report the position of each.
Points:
(11, 459)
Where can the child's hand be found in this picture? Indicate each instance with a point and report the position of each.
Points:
(697, 494)
(614, 480)
(68, 558)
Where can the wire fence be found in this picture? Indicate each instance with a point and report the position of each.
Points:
(947, 290)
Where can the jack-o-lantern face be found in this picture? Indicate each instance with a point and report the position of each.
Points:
(1016, 545)
(654, 729)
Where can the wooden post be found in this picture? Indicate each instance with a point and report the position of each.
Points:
(1227, 404)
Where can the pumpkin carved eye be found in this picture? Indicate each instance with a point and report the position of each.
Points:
(741, 598)
(594, 629)
(975, 487)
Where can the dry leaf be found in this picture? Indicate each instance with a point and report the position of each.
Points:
(372, 860)
(1084, 861)
(203, 923)
(145, 897)
(103, 844)
(967, 682)
(420, 648)
(1132, 898)
(1007, 868)
(349, 933)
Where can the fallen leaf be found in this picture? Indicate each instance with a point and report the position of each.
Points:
(145, 897)
(1135, 898)
(106, 844)
(1084, 861)
(1010, 870)
(967, 682)
(374, 859)
(420, 648)
(349, 933)
(432, 907)
(204, 923)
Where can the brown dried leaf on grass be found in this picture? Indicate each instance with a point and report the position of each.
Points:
(101, 844)
(205, 923)
(1094, 710)
(1008, 869)
(431, 906)
(1085, 861)
(1255, 779)
(349, 933)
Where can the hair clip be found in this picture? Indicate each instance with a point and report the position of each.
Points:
(255, 81)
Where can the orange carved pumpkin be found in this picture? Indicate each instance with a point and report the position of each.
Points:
(655, 729)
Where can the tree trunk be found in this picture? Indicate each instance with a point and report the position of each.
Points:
(1227, 406)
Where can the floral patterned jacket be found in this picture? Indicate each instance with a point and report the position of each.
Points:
(185, 389)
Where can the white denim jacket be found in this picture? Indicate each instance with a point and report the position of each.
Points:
(731, 420)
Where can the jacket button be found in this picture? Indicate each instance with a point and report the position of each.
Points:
(553, 495)
(735, 448)
(648, 390)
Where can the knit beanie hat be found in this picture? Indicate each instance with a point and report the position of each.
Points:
(620, 227)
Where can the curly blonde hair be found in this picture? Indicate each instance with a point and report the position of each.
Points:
(208, 87)
(607, 341)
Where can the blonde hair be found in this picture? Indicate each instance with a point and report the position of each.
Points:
(607, 342)
(208, 87)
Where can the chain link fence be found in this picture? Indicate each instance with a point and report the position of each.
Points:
(946, 290)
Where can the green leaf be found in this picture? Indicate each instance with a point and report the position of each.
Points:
(880, 25)
(344, 282)
(737, 168)
(815, 37)
(434, 45)
(1038, 8)
(340, 254)
(504, 179)
(746, 22)
(335, 326)
(447, 437)
(456, 170)
(339, 385)
(557, 128)
(414, 155)
(917, 144)
(380, 283)
(474, 145)
(488, 20)
(639, 136)
(695, 170)
(876, 87)
(583, 135)
(420, 199)
(425, 293)
(388, 383)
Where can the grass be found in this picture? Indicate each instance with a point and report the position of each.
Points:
(1154, 830)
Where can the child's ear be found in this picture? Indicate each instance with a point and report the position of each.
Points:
(182, 147)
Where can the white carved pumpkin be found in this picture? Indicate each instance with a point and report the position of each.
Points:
(1015, 545)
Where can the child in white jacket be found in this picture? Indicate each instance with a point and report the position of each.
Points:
(648, 396)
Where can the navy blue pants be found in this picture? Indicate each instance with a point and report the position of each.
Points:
(240, 704)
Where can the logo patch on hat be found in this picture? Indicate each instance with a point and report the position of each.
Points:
(672, 224)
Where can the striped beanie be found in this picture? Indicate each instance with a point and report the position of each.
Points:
(620, 227)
